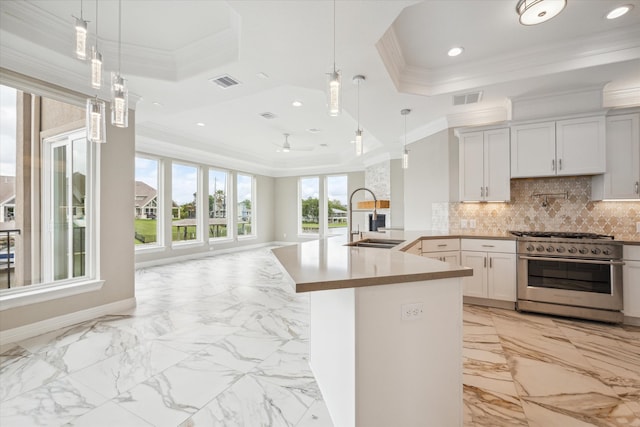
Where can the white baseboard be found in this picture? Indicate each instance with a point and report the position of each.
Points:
(629, 320)
(31, 330)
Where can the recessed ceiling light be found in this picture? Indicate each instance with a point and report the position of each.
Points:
(297, 103)
(313, 130)
(157, 104)
(200, 124)
(455, 51)
(619, 11)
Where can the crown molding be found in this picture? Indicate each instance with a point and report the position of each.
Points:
(621, 98)
(391, 54)
(478, 117)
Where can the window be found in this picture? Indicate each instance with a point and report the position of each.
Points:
(147, 202)
(67, 178)
(184, 196)
(309, 209)
(245, 205)
(218, 210)
(337, 190)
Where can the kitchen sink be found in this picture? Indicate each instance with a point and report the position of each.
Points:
(376, 243)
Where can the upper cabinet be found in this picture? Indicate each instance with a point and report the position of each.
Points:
(622, 178)
(484, 166)
(560, 148)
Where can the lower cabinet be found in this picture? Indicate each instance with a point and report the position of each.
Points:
(494, 268)
(631, 281)
(445, 250)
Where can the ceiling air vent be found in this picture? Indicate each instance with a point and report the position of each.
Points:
(224, 81)
(467, 98)
(267, 115)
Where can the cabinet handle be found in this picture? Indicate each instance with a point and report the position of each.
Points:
(637, 187)
(490, 262)
(553, 164)
(486, 191)
(481, 191)
(485, 262)
(559, 164)
(488, 246)
(444, 245)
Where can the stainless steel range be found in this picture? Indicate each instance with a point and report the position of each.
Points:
(570, 274)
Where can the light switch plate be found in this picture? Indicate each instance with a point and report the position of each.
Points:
(472, 223)
(463, 223)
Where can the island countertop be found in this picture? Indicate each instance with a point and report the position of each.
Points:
(328, 264)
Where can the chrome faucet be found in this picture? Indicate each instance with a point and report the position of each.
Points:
(375, 213)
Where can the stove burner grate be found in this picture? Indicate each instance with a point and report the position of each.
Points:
(561, 234)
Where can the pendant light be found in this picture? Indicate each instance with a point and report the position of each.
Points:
(405, 153)
(334, 96)
(533, 12)
(96, 60)
(96, 131)
(119, 92)
(357, 80)
(81, 36)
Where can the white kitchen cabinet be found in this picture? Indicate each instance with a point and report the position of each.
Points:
(560, 148)
(494, 268)
(445, 250)
(622, 178)
(631, 281)
(484, 165)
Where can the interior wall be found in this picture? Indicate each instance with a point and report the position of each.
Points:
(397, 195)
(116, 257)
(432, 178)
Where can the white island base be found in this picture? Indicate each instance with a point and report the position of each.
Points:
(375, 369)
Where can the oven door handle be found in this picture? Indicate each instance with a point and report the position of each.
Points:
(578, 261)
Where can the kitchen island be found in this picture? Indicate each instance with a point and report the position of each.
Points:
(385, 332)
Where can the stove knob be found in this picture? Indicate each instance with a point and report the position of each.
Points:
(549, 248)
(530, 248)
(606, 251)
(584, 251)
(540, 248)
(596, 251)
(560, 249)
(572, 250)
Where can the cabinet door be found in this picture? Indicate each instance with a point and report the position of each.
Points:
(497, 176)
(501, 276)
(631, 291)
(533, 150)
(476, 285)
(622, 178)
(452, 258)
(471, 166)
(580, 146)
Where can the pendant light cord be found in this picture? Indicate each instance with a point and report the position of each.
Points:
(81, 16)
(119, 34)
(334, 36)
(358, 104)
(96, 25)
(405, 131)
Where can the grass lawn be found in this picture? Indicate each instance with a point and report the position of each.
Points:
(310, 225)
(146, 228)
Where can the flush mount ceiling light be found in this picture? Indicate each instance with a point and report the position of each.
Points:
(534, 12)
(357, 80)
(297, 103)
(405, 153)
(333, 81)
(81, 36)
(200, 124)
(619, 11)
(455, 51)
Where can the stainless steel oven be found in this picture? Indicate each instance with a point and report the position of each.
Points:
(570, 274)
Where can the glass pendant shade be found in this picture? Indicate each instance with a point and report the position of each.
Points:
(534, 12)
(96, 68)
(81, 39)
(119, 101)
(334, 93)
(405, 159)
(359, 142)
(96, 123)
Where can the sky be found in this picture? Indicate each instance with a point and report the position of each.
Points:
(7, 131)
(336, 188)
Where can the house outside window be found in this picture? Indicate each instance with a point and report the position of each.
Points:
(245, 205)
(336, 197)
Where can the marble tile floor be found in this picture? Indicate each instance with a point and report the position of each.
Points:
(222, 341)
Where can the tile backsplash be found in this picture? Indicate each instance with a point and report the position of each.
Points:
(525, 212)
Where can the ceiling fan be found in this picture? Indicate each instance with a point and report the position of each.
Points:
(286, 146)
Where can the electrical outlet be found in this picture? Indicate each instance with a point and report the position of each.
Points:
(637, 227)
(463, 223)
(411, 311)
(472, 223)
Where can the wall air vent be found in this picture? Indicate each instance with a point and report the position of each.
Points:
(467, 98)
(267, 115)
(224, 81)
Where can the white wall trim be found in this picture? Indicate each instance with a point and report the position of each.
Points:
(34, 294)
(48, 325)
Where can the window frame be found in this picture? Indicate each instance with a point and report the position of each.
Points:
(327, 230)
(320, 231)
(254, 207)
(198, 211)
(230, 211)
(160, 216)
